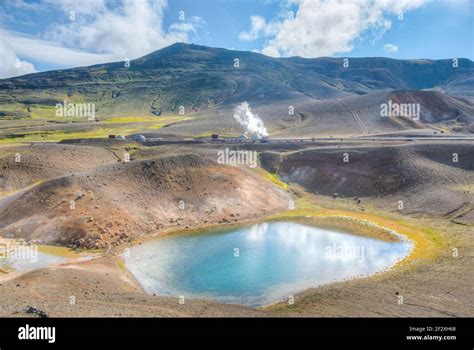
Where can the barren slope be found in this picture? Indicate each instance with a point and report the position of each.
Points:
(22, 166)
(420, 175)
(116, 202)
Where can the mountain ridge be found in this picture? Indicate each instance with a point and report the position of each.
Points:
(209, 82)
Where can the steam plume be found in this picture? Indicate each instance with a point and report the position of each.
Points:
(251, 122)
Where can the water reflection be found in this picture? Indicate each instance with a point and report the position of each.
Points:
(259, 264)
(22, 263)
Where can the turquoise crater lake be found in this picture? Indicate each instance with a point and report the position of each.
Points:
(259, 264)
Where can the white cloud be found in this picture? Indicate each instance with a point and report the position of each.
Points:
(325, 27)
(390, 48)
(98, 34)
(130, 31)
(10, 63)
(23, 5)
(258, 25)
(48, 52)
(82, 7)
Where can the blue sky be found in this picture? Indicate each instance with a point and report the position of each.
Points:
(49, 34)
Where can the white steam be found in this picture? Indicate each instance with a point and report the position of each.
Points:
(251, 122)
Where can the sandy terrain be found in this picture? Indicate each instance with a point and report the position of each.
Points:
(432, 282)
(439, 286)
(25, 165)
(100, 288)
(115, 203)
(421, 175)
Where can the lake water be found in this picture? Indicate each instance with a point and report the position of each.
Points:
(23, 258)
(31, 261)
(259, 264)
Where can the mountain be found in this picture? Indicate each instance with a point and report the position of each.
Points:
(208, 84)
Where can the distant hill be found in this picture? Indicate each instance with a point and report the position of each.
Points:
(206, 82)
